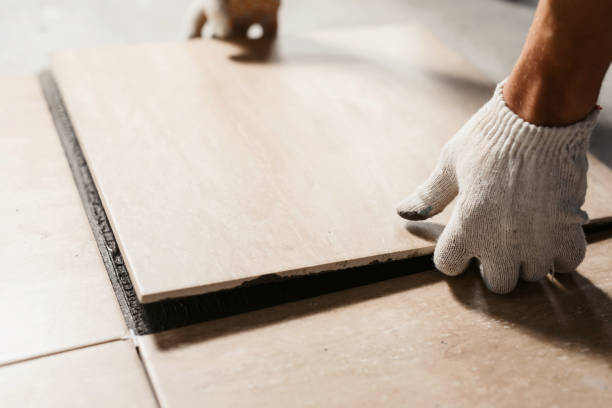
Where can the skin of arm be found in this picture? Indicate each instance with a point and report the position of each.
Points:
(558, 76)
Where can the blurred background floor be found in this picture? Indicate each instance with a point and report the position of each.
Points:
(489, 33)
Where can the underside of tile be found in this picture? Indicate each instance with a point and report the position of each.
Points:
(218, 163)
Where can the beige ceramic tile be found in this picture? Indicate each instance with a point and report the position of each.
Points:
(54, 292)
(218, 163)
(422, 340)
(106, 375)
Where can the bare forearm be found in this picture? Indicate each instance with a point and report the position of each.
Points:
(557, 78)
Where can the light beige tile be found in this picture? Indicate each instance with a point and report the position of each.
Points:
(214, 171)
(222, 170)
(54, 292)
(216, 167)
(421, 340)
(106, 375)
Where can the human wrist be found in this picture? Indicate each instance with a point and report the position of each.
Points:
(546, 98)
(557, 78)
(523, 137)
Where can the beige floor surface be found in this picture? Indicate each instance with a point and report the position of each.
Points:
(218, 163)
(105, 375)
(422, 340)
(54, 292)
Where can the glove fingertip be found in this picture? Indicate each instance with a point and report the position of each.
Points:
(450, 261)
(499, 278)
(414, 209)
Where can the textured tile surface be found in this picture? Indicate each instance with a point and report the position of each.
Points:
(420, 340)
(106, 375)
(54, 292)
(217, 164)
(216, 167)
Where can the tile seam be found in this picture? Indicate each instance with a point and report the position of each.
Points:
(61, 351)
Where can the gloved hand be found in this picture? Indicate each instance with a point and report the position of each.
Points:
(232, 18)
(520, 188)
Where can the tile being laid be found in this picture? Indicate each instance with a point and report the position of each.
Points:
(420, 340)
(104, 375)
(55, 292)
(221, 162)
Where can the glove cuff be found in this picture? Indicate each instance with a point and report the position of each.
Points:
(520, 136)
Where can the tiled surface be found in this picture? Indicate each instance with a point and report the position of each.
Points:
(106, 375)
(216, 167)
(420, 340)
(54, 292)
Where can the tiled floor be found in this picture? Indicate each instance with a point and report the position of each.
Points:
(54, 293)
(420, 340)
(105, 375)
(61, 324)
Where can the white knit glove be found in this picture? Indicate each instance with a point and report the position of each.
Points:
(520, 188)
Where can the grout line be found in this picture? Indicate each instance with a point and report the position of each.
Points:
(129, 336)
(66, 350)
(136, 342)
